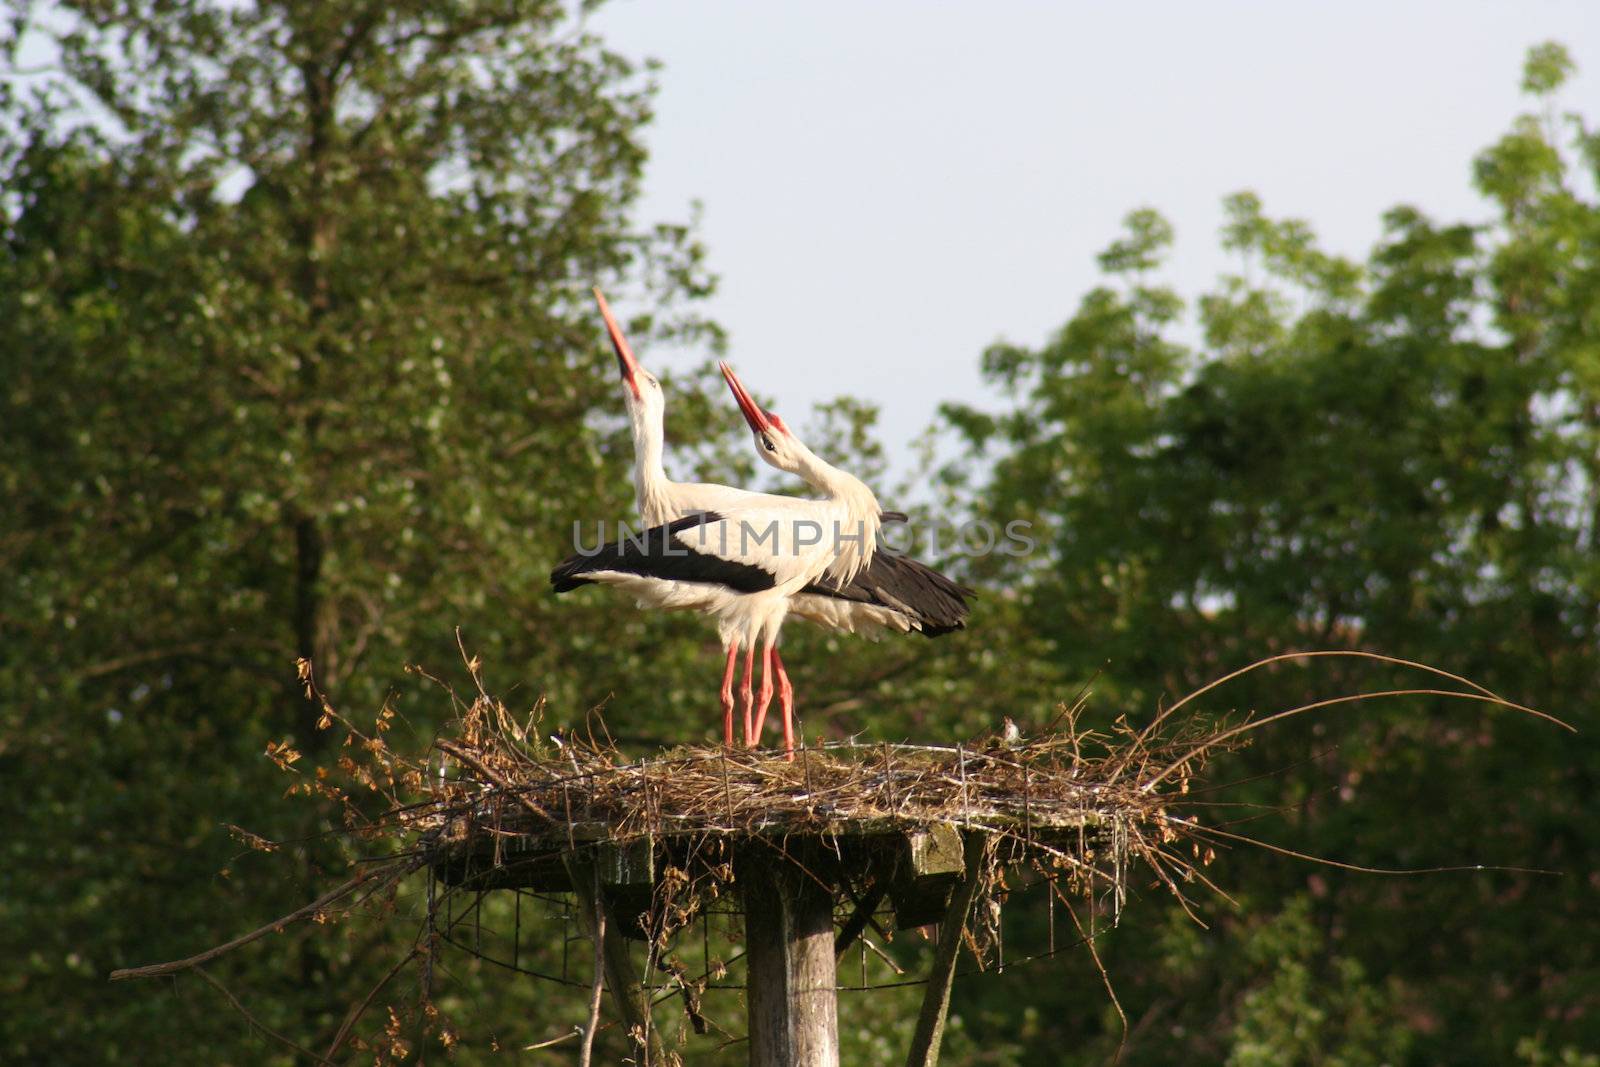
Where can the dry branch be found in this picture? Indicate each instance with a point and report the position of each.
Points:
(929, 1035)
(391, 872)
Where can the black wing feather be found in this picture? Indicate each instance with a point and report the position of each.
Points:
(655, 554)
(901, 583)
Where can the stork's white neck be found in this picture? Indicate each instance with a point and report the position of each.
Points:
(824, 476)
(652, 488)
(858, 505)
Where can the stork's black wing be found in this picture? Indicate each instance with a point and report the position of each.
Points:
(656, 553)
(937, 603)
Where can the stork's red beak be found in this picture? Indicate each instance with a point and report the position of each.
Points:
(625, 361)
(759, 421)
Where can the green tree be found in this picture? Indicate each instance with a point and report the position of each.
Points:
(299, 361)
(1398, 456)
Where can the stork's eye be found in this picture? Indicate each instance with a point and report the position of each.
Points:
(766, 442)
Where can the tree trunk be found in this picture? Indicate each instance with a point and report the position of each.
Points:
(791, 998)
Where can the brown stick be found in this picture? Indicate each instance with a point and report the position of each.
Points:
(359, 1010)
(586, 1050)
(455, 750)
(859, 918)
(393, 871)
(929, 1034)
(626, 989)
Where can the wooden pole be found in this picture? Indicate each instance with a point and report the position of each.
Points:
(622, 978)
(936, 999)
(790, 995)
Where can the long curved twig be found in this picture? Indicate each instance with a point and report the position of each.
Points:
(1314, 654)
(359, 1010)
(586, 1050)
(1196, 828)
(1225, 735)
(257, 1023)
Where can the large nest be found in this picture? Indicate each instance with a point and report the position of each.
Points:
(1082, 803)
(1091, 805)
(498, 785)
(841, 787)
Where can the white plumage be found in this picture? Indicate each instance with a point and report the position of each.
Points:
(751, 559)
(661, 500)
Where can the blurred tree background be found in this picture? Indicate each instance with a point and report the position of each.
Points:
(298, 359)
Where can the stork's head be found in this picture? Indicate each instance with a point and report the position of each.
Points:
(641, 391)
(775, 443)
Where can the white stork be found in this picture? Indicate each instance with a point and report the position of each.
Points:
(750, 559)
(741, 566)
(887, 591)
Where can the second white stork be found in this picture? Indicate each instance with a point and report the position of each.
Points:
(887, 590)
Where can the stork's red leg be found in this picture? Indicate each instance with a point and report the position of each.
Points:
(785, 701)
(727, 696)
(767, 652)
(746, 695)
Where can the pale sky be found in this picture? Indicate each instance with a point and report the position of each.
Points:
(891, 185)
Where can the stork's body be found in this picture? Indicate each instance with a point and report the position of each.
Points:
(743, 567)
(712, 548)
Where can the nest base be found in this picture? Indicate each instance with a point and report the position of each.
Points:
(914, 869)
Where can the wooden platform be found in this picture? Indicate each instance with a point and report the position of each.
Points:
(915, 869)
(790, 887)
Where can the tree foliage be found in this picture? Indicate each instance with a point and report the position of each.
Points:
(1399, 455)
(299, 362)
